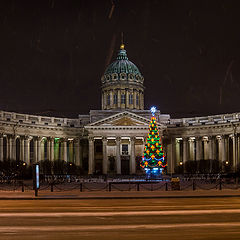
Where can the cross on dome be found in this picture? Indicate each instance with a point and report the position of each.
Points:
(153, 110)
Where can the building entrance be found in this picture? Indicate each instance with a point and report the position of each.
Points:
(125, 160)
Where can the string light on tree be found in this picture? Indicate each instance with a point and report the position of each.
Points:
(153, 159)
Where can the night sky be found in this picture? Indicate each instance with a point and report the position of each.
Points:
(53, 53)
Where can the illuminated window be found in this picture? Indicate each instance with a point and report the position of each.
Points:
(115, 99)
(130, 99)
(123, 99)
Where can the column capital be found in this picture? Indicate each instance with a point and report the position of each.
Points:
(118, 139)
(210, 138)
(50, 138)
(91, 139)
(133, 139)
(185, 139)
(76, 140)
(27, 137)
(199, 138)
(104, 139)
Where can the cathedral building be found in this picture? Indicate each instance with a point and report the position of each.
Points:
(111, 140)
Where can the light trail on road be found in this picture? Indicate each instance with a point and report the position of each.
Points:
(116, 227)
(128, 213)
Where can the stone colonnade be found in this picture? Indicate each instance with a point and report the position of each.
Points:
(131, 154)
(32, 149)
(130, 98)
(218, 147)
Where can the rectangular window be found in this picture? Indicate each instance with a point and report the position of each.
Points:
(115, 99)
(130, 99)
(137, 100)
(125, 149)
(108, 99)
(123, 99)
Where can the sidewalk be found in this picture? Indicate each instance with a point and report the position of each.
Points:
(76, 194)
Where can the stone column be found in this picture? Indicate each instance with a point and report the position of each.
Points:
(27, 150)
(10, 148)
(91, 155)
(52, 149)
(234, 142)
(223, 148)
(39, 152)
(118, 98)
(22, 148)
(127, 98)
(185, 150)
(132, 156)
(1, 147)
(191, 149)
(238, 151)
(7, 148)
(14, 150)
(70, 151)
(206, 149)
(105, 160)
(80, 154)
(35, 150)
(111, 99)
(76, 150)
(142, 107)
(65, 154)
(169, 157)
(134, 99)
(173, 153)
(118, 155)
(198, 148)
(178, 154)
(214, 148)
(49, 148)
(219, 143)
(210, 148)
(43, 153)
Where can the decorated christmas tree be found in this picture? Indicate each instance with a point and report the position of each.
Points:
(153, 160)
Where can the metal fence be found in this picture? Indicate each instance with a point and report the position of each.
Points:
(122, 185)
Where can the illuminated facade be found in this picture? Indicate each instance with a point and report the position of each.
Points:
(111, 140)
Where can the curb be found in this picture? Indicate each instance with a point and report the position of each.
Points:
(112, 198)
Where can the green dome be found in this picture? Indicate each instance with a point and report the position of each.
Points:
(122, 65)
(122, 69)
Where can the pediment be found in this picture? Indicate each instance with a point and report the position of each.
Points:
(126, 121)
(121, 119)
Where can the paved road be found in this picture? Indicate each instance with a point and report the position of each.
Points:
(200, 218)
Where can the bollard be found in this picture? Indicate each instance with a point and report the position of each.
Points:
(81, 187)
(109, 187)
(36, 192)
(138, 187)
(51, 187)
(22, 186)
(166, 186)
(193, 185)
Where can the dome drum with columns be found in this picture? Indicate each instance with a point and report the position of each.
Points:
(122, 84)
(111, 140)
